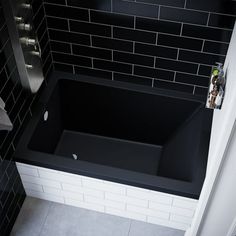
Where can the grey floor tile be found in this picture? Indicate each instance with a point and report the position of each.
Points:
(145, 229)
(31, 217)
(65, 220)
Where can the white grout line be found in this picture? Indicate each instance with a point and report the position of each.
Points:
(208, 19)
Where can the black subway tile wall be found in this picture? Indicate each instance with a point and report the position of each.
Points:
(18, 106)
(170, 44)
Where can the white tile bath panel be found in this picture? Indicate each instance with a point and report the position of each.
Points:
(185, 203)
(182, 211)
(38, 180)
(149, 195)
(103, 185)
(45, 196)
(58, 176)
(33, 187)
(148, 212)
(88, 191)
(126, 199)
(65, 194)
(180, 219)
(27, 170)
(159, 206)
(105, 202)
(105, 196)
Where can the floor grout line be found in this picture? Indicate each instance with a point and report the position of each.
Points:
(49, 208)
(130, 227)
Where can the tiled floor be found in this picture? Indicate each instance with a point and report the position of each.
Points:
(44, 218)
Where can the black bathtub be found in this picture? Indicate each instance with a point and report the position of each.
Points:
(135, 135)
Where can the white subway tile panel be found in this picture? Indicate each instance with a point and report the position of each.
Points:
(103, 186)
(40, 181)
(185, 203)
(58, 176)
(150, 195)
(147, 211)
(180, 219)
(65, 194)
(23, 169)
(105, 202)
(126, 199)
(33, 187)
(45, 196)
(88, 191)
(105, 196)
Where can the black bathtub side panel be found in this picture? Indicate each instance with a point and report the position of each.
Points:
(180, 155)
(47, 133)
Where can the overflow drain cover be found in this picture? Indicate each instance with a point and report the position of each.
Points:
(45, 116)
(74, 156)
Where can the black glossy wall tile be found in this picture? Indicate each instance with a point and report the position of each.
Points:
(215, 47)
(176, 3)
(61, 24)
(201, 32)
(134, 8)
(169, 42)
(154, 73)
(222, 21)
(176, 65)
(134, 35)
(104, 5)
(71, 59)
(158, 26)
(112, 66)
(112, 19)
(66, 12)
(191, 79)
(69, 37)
(63, 67)
(199, 57)
(112, 44)
(90, 28)
(93, 72)
(180, 42)
(154, 50)
(132, 79)
(222, 6)
(92, 52)
(133, 58)
(183, 15)
(60, 47)
(204, 70)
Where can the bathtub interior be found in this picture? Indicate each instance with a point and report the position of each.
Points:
(152, 134)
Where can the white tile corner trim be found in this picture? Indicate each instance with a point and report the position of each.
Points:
(108, 197)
